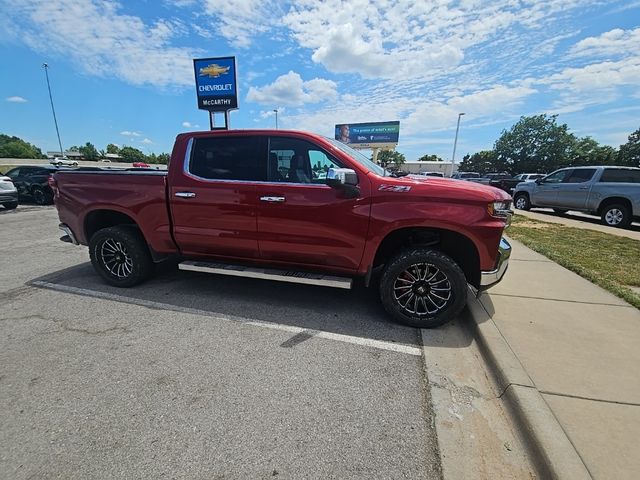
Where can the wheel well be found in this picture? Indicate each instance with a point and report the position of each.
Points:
(99, 219)
(460, 248)
(611, 200)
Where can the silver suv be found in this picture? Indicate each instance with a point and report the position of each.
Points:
(613, 193)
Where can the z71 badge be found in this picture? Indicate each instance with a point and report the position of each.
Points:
(394, 188)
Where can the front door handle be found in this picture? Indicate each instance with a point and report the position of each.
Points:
(272, 199)
(584, 188)
(185, 194)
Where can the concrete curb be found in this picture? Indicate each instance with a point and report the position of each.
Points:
(552, 452)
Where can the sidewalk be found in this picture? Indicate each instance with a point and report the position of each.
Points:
(576, 347)
(581, 220)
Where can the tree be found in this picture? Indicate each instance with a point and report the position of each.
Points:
(484, 161)
(385, 157)
(112, 148)
(130, 154)
(430, 158)
(535, 144)
(14, 147)
(586, 151)
(629, 153)
(89, 152)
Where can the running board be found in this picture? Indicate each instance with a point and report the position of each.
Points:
(290, 276)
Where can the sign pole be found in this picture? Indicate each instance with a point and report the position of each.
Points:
(211, 121)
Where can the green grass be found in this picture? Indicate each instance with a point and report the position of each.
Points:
(609, 261)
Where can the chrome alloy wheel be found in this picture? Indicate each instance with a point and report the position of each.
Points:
(614, 217)
(116, 259)
(422, 289)
(521, 203)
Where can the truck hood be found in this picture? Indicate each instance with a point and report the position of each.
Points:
(450, 188)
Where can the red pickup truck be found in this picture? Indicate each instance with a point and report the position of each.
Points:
(291, 206)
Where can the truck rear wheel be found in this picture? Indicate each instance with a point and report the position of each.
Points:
(423, 288)
(616, 215)
(120, 256)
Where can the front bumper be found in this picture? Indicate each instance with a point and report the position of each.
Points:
(8, 196)
(491, 277)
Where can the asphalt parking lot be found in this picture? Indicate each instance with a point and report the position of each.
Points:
(199, 376)
(192, 375)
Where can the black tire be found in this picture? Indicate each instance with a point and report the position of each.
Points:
(429, 309)
(560, 211)
(616, 215)
(41, 196)
(75, 164)
(521, 201)
(120, 256)
(10, 205)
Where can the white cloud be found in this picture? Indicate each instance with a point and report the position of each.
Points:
(186, 124)
(237, 21)
(291, 90)
(16, 99)
(128, 133)
(614, 43)
(415, 40)
(101, 41)
(146, 141)
(598, 76)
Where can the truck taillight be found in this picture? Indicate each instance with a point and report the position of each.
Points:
(53, 184)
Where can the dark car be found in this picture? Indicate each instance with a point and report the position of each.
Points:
(31, 182)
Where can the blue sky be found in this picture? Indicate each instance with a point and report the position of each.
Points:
(121, 72)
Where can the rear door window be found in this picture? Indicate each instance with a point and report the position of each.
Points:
(620, 175)
(228, 158)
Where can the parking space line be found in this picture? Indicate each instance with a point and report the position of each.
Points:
(338, 337)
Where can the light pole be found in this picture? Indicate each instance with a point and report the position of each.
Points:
(46, 72)
(276, 111)
(455, 143)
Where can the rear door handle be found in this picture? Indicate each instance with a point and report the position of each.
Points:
(584, 188)
(185, 194)
(272, 199)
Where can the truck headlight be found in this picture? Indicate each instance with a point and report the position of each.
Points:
(500, 209)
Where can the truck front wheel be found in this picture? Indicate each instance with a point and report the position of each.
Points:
(120, 256)
(522, 202)
(423, 288)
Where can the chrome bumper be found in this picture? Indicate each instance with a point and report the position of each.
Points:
(490, 278)
(69, 237)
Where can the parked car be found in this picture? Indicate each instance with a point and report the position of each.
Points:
(465, 175)
(32, 182)
(63, 161)
(508, 184)
(487, 178)
(141, 165)
(225, 207)
(613, 193)
(8, 193)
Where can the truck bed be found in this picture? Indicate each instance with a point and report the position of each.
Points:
(140, 194)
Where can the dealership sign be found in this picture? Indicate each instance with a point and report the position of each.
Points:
(369, 135)
(216, 83)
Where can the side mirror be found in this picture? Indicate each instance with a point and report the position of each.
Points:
(539, 181)
(344, 179)
(337, 177)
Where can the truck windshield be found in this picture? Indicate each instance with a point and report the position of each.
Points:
(358, 157)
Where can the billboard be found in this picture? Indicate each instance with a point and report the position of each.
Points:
(369, 135)
(216, 83)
